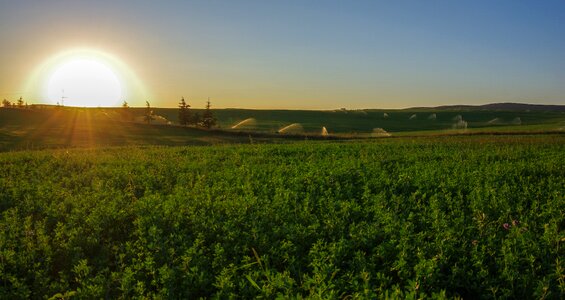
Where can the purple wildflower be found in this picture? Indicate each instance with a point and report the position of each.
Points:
(506, 226)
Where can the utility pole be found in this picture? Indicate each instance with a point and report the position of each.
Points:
(63, 97)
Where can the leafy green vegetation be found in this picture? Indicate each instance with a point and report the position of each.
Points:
(64, 127)
(88, 128)
(477, 217)
(364, 121)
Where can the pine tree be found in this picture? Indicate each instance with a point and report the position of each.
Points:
(126, 113)
(148, 113)
(208, 120)
(184, 113)
(21, 103)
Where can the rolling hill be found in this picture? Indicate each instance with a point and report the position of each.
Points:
(48, 126)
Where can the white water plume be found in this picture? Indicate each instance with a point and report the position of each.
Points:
(160, 120)
(495, 121)
(412, 117)
(360, 111)
(385, 115)
(460, 124)
(292, 128)
(157, 119)
(432, 117)
(517, 121)
(457, 118)
(246, 122)
(379, 132)
(324, 131)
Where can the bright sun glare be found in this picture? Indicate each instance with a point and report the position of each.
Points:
(84, 82)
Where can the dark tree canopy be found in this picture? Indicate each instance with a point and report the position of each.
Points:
(208, 119)
(148, 113)
(184, 113)
(126, 112)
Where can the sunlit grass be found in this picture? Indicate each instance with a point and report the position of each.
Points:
(470, 216)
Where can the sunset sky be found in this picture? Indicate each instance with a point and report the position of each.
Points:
(294, 54)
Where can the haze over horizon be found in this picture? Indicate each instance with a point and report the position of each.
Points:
(294, 54)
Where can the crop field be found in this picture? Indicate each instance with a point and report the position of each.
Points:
(50, 127)
(89, 128)
(393, 121)
(439, 217)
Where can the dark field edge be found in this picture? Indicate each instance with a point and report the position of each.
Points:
(255, 137)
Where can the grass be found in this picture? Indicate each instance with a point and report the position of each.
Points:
(101, 127)
(130, 210)
(90, 128)
(428, 217)
(363, 121)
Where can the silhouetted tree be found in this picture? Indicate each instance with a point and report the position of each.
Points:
(6, 103)
(21, 103)
(184, 113)
(208, 120)
(148, 113)
(126, 113)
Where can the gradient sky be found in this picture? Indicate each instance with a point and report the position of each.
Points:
(302, 54)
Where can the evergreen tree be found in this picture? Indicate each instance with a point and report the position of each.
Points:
(148, 113)
(208, 120)
(184, 113)
(6, 103)
(21, 103)
(126, 113)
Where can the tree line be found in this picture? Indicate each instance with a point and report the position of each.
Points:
(18, 104)
(185, 115)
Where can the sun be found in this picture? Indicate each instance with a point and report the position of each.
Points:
(84, 82)
(85, 77)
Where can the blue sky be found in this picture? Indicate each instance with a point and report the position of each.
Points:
(303, 54)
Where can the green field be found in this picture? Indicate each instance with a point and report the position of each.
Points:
(89, 128)
(50, 127)
(364, 121)
(468, 216)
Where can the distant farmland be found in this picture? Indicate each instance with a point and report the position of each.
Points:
(364, 121)
(90, 127)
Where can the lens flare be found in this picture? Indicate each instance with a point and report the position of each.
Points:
(85, 77)
(84, 82)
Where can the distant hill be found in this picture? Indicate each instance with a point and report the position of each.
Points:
(508, 106)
